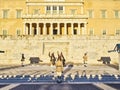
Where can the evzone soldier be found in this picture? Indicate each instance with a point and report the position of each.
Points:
(85, 59)
(63, 59)
(52, 59)
(22, 60)
(59, 66)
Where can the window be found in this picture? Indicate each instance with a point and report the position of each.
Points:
(90, 13)
(4, 32)
(118, 32)
(5, 13)
(60, 9)
(91, 32)
(104, 32)
(18, 13)
(18, 32)
(116, 13)
(36, 11)
(48, 10)
(72, 11)
(103, 13)
(54, 9)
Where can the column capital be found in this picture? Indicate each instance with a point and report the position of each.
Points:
(37, 23)
(44, 23)
(72, 22)
(30, 22)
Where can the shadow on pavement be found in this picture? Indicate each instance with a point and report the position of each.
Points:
(12, 67)
(115, 66)
(68, 68)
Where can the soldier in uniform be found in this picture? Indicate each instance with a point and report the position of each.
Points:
(63, 59)
(85, 59)
(52, 59)
(22, 60)
(59, 67)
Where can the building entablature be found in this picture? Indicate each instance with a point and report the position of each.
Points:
(55, 20)
(30, 16)
(54, 3)
(38, 1)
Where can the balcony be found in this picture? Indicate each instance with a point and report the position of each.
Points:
(51, 16)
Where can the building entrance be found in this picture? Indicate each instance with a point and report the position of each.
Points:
(54, 31)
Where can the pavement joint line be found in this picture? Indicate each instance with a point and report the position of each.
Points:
(9, 87)
(103, 86)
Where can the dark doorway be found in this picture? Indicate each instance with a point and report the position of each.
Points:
(54, 31)
(75, 31)
(35, 31)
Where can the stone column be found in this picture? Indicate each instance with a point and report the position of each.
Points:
(30, 28)
(84, 29)
(78, 31)
(25, 31)
(58, 28)
(51, 27)
(33, 30)
(65, 28)
(38, 29)
(44, 28)
(72, 28)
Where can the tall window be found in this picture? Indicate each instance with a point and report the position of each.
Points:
(5, 13)
(48, 9)
(60, 9)
(116, 13)
(36, 11)
(4, 32)
(91, 31)
(18, 32)
(118, 32)
(103, 13)
(104, 32)
(18, 13)
(90, 13)
(54, 9)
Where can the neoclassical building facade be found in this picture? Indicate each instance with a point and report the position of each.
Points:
(43, 17)
(74, 27)
(59, 17)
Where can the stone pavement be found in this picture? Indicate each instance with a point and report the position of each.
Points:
(99, 69)
(96, 77)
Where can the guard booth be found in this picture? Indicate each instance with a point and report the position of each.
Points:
(34, 60)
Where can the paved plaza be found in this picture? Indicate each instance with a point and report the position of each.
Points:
(75, 77)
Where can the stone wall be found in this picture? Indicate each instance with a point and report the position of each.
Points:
(72, 47)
